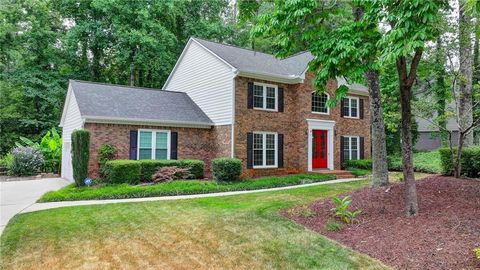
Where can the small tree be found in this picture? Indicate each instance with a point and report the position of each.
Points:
(80, 155)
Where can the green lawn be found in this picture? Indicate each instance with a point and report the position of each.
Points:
(427, 162)
(233, 232)
(72, 193)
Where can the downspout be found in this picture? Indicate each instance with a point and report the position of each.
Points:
(232, 136)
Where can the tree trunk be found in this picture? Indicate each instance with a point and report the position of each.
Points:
(441, 91)
(406, 82)
(457, 169)
(132, 75)
(465, 61)
(379, 145)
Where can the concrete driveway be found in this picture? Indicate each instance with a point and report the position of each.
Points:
(17, 195)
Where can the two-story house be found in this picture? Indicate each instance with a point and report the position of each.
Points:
(224, 101)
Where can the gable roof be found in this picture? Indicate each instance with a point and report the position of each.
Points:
(108, 103)
(246, 60)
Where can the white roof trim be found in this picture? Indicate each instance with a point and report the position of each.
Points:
(65, 106)
(270, 77)
(135, 121)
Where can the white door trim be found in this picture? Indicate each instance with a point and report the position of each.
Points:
(314, 124)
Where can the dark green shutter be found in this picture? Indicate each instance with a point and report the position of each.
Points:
(342, 145)
(280, 150)
(362, 148)
(133, 144)
(249, 150)
(250, 96)
(173, 145)
(280, 99)
(342, 106)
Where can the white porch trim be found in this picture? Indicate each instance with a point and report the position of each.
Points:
(314, 124)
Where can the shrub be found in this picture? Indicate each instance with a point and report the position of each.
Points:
(341, 210)
(106, 152)
(226, 169)
(166, 174)
(477, 253)
(6, 161)
(122, 171)
(365, 164)
(26, 161)
(470, 161)
(333, 226)
(150, 167)
(80, 155)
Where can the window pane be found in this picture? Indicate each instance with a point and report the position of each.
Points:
(257, 141)
(353, 108)
(270, 159)
(319, 103)
(145, 139)
(257, 157)
(270, 141)
(161, 154)
(270, 92)
(270, 103)
(346, 107)
(161, 140)
(257, 96)
(145, 154)
(346, 148)
(354, 147)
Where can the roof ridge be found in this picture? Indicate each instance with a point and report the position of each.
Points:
(295, 54)
(126, 86)
(238, 47)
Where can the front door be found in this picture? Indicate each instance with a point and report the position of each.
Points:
(319, 149)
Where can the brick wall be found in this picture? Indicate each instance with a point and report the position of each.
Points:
(292, 123)
(193, 143)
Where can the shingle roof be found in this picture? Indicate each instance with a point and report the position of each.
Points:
(107, 101)
(256, 62)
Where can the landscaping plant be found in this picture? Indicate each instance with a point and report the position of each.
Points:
(341, 210)
(477, 253)
(226, 169)
(470, 162)
(26, 161)
(166, 174)
(80, 155)
(123, 171)
(105, 153)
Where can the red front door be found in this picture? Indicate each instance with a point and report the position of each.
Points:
(319, 149)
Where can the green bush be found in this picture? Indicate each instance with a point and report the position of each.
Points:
(470, 161)
(426, 162)
(226, 169)
(80, 155)
(105, 153)
(122, 171)
(150, 167)
(365, 164)
(26, 161)
(6, 161)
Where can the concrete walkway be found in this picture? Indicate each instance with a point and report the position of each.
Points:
(44, 206)
(15, 196)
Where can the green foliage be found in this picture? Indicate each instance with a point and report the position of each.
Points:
(179, 187)
(333, 226)
(26, 161)
(341, 210)
(166, 174)
(226, 169)
(359, 164)
(470, 161)
(426, 162)
(477, 253)
(6, 161)
(106, 152)
(80, 155)
(122, 171)
(150, 167)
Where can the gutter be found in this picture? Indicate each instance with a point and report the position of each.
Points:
(153, 122)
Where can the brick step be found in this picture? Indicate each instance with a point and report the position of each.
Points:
(340, 174)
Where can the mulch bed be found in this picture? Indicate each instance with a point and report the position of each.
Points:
(442, 236)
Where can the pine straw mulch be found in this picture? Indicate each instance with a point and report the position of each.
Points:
(442, 236)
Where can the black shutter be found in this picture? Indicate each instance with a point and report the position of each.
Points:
(280, 99)
(249, 150)
(133, 144)
(280, 150)
(361, 108)
(342, 105)
(362, 148)
(250, 95)
(173, 145)
(341, 151)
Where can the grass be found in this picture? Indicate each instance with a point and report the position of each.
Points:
(427, 162)
(121, 191)
(359, 172)
(232, 232)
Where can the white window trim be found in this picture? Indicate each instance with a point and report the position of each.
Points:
(264, 150)
(328, 108)
(350, 107)
(350, 146)
(154, 142)
(264, 86)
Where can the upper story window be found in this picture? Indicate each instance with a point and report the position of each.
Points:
(351, 108)
(351, 146)
(153, 144)
(319, 103)
(265, 147)
(265, 96)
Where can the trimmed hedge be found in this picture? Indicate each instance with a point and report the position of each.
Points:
(143, 170)
(470, 161)
(80, 155)
(426, 162)
(226, 169)
(122, 171)
(365, 164)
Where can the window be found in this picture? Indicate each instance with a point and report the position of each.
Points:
(351, 107)
(153, 144)
(264, 150)
(319, 103)
(265, 96)
(351, 148)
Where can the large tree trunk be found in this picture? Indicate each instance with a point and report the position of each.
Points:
(441, 91)
(379, 145)
(465, 29)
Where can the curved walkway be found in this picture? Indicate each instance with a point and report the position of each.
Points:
(50, 205)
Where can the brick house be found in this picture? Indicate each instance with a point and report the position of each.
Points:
(224, 101)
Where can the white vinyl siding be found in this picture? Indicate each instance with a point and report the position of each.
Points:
(72, 120)
(207, 80)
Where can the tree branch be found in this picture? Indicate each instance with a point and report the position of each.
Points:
(413, 66)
